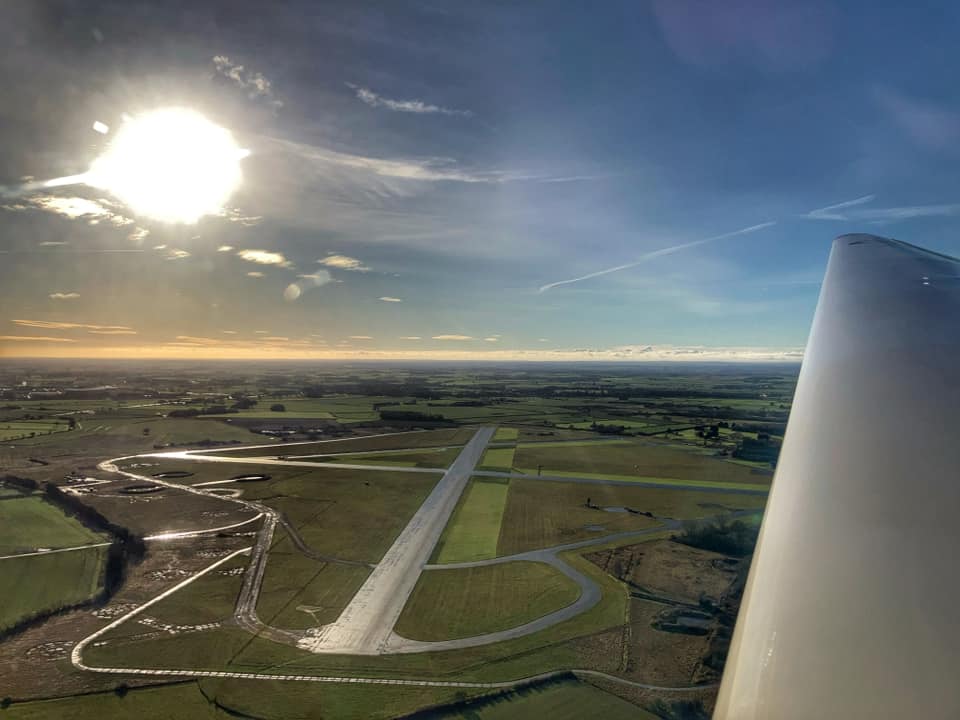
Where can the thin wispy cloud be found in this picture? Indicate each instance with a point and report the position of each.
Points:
(361, 337)
(35, 338)
(254, 84)
(843, 212)
(56, 325)
(452, 337)
(255, 274)
(388, 299)
(112, 332)
(655, 254)
(410, 337)
(225, 248)
(64, 296)
(419, 107)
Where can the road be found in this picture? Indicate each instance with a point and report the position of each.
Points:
(365, 626)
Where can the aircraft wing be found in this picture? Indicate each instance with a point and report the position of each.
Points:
(852, 606)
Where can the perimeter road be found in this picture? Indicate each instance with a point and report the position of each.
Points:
(365, 626)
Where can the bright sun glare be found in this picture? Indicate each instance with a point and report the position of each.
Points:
(172, 165)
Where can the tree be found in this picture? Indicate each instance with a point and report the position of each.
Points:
(278, 407)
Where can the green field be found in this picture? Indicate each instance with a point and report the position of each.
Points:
(497, 459)
(40, 583)
(505, 433)
(474, 529)
(636, 459)
(458, 603)
(28, 523)
(566, 700)
(299, 592)
(16, 429)
(208, 599)
(426, 458)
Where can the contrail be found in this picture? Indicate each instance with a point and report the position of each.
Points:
(827, 213)
(658, 253)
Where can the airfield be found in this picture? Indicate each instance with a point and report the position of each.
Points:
(431, 566)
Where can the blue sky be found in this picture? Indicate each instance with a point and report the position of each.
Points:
(424, 169)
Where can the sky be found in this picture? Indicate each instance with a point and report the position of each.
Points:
(466, 180)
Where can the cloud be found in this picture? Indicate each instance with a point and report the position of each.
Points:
(655, 254)
(306, 282)
(841, 211)
(254, 84)
(177, 254)
(276, 338)
(229, 332)
(491, 339)
(830, 211)
(35, 338)
(264, 257)
(138, 235)
(64, 296)
(255, 274)
(225, 248)
(361, 337)
(343, 262)
(408, 106)
(410, 337)
(112, 332)
(452, 337)
(321, 277)
(929, 125)
(198, 340)
(75, 208)
(53, 243)
(261, 332)
(387, 298)
(55, 325)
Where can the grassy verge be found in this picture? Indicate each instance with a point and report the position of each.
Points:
(29, 522)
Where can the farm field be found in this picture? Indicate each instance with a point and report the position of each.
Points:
(638, 459)
(27, 523)
(458, 603)
(474, 530)
(497, 459)
(41, 583)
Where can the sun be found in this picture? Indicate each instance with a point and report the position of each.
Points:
(171, 165)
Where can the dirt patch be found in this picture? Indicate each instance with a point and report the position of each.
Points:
(669, 568)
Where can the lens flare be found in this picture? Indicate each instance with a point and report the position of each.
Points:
(171, 165)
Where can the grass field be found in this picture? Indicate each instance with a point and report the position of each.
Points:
(15, 429)
(29, 522)
(299, 592)
(41, 583)
(474, 529)
(636, 458)
(208, 599)
(459, 603)
(505, 433)
(497, 459)
(566, 700)
(541, 514)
